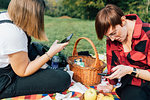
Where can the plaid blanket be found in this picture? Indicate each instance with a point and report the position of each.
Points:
(74, 94)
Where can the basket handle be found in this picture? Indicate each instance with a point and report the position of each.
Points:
(75, 53)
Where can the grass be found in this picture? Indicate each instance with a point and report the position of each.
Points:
(57, 28)
(2, 9)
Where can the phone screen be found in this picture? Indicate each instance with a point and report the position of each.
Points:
(67, 39)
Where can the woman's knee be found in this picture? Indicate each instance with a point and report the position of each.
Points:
(65, 79)
(48, 80)
(133, 93)
(59, 78)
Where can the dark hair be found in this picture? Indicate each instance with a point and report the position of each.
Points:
(109, 15)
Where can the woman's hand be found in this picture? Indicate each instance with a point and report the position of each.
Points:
(105, 88)
(120, 71)
(55, 48)
(23, 67)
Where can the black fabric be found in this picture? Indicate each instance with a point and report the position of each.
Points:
(127, 79)
(131, 92)
(35, 49)
(6, 77)
(129, 59)
(84, 53)
(146, 29)
(114, 59)
(131, 17)
(29, 40)
(44, 81)
(140, 46)
(6, 21)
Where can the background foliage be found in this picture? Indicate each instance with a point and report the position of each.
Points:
(57, 27)
(4, 4)
(87, 9)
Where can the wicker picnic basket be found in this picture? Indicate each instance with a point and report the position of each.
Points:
(87, 75)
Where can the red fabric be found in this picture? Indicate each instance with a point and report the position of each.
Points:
(139, 57)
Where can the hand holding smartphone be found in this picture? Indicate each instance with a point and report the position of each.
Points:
(67, 39)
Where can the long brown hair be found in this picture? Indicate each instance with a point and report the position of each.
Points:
(109, 15)
(29, 16)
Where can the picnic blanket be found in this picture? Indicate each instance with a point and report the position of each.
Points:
(74, 94)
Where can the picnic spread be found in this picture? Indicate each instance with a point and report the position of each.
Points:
(75, 94)
(84, 78)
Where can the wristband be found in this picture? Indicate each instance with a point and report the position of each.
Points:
(48, 55)
(134, 72)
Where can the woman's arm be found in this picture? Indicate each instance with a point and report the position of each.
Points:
(23, 67)
(143, 74)
(121, 70)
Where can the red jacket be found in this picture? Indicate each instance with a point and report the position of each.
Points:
(139, 57)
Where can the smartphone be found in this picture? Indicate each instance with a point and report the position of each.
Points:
(103, 74)
(67, 39)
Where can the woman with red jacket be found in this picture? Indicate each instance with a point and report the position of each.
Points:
(128, 52)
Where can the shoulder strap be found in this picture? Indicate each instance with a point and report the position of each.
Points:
(6, 21)
(9, 21)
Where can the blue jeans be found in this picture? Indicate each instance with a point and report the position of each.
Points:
(44, 81)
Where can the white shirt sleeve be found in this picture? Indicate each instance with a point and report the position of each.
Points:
(12, 39)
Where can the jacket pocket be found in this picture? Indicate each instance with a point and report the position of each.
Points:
(5, 80)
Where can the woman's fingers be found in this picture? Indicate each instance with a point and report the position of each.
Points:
(114, 68)
(119, 71)
(114, 75)
(66, 43)
(105, 88)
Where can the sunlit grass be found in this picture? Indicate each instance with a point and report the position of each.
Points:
(57, 28)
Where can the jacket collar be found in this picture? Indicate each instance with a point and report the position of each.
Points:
(138, 25)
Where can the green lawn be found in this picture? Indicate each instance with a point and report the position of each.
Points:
(57, 28)
(2, 9)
